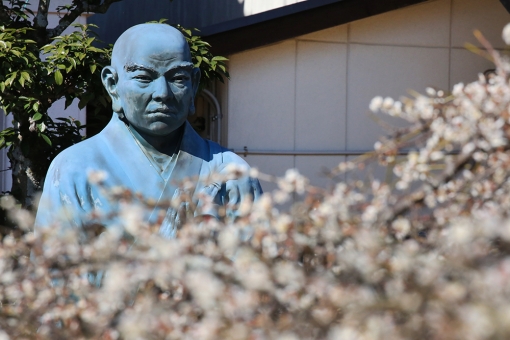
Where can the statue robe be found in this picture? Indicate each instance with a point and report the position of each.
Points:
(132, 163)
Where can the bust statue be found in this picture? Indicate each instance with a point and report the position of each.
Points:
(148, 146)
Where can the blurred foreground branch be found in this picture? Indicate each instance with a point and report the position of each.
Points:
(424, 255)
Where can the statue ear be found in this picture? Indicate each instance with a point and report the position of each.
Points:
(110, 80)
(195, 82)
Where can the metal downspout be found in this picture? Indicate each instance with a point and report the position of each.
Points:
(217, 118)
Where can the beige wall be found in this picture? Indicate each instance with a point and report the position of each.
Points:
(312, 93)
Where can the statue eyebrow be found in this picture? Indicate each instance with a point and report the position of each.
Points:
(131, 67)
(186, 65)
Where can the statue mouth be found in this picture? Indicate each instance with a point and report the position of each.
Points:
(164, 110)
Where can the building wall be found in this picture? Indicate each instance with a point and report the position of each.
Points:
(189, 13)
(312, 93)
(57, 110)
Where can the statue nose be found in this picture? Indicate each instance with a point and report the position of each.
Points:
(161, 89)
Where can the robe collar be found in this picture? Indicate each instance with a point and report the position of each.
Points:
(162, 162)
(135, 162)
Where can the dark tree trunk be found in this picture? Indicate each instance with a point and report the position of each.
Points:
(25, 181)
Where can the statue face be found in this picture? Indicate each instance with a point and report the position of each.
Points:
(155, 85)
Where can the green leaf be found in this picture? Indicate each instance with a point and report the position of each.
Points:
(59, 79)
(37, 116)
(35, 107)
(218, 58)
(25, 75)
(92, 67)
(11, 78)
(69, 101)
(83, 102)
(46, 139)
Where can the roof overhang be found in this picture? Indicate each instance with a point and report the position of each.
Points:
(506, 4)
(291, 21)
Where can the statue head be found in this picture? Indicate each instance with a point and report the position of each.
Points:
(152, 81)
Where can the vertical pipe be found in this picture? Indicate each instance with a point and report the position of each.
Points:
(215, 102)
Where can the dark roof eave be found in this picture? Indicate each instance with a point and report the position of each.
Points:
(291, 21)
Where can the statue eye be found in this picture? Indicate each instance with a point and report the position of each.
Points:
(180, 78)
(143, 78)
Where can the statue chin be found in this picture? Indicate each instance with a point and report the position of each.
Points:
(160, 129)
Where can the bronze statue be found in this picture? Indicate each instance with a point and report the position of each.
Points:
(148, 146)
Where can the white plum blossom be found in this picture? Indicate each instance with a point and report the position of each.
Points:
(506, 34)
(422, 253)
(376, 104)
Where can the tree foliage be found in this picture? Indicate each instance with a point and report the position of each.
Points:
(34, 78)
(38, 67)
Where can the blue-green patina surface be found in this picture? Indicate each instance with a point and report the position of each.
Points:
(148, 146)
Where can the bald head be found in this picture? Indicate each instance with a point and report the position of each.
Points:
(152, 81)
(152, 39)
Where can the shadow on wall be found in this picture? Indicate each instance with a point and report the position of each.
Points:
(188, 13)
(506, 3)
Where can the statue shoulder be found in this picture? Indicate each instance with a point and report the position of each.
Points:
(77, 156)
